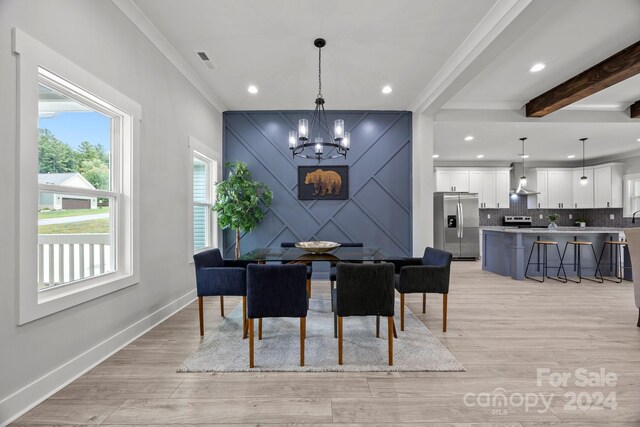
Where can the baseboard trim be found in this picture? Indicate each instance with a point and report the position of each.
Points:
(21, 401)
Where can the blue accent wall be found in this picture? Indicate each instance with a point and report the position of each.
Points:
(378, 212)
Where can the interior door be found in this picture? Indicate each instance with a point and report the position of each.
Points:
(470, 230)
(452, 224)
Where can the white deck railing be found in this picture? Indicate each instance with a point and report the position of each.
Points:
(64, 258)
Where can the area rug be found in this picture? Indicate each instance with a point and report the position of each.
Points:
(415, 349)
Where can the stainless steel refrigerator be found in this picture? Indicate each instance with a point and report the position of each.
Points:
(456, 221)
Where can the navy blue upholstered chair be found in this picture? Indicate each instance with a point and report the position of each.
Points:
(219, 277)
(364, 290)
(309, 266)
(427, 275)
(276, 291)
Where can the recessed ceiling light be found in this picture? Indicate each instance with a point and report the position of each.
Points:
(252, 89)
(468, 138)
(479, 156)
(571, 156)
(435, 156)
(638, 139)
(537, 67)
(524, 156)
(387, 89)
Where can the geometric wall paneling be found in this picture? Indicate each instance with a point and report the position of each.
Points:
(378, 211)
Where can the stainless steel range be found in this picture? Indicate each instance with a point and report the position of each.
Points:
(517, 221)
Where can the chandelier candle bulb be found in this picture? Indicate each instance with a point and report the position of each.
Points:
(293, 138)
(318, 147)
(346, 141)
(303, 129)
(339, 129)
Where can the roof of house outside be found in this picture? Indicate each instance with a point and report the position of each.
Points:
(62, 178)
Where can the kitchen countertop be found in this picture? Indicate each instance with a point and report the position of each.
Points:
(559, 230)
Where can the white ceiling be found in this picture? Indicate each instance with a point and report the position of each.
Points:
(370, 43)
(406, 44)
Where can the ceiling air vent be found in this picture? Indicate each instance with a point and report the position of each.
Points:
(205, 60)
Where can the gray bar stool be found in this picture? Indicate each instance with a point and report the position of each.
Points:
(544, 244)
(613, 245)
(577, 252)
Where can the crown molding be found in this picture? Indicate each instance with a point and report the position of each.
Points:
(146, 27)
(501, 14)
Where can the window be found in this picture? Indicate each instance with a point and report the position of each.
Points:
(204, 173)
(203, 198)
(631, 202)
(77, 141)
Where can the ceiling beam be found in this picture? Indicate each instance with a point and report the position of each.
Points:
(634, 110)
(612, 70)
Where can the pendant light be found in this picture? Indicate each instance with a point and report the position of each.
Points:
(522, 189)
(523, 178)
(583, 179)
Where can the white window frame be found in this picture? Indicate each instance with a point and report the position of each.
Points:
(207, 154)
(33, 56)
(627, 202)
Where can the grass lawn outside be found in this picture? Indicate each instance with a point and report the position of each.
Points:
(72, 212)
(81, 227)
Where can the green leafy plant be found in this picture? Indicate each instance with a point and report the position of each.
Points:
(553, 217)
(239, 200)
(578, 220)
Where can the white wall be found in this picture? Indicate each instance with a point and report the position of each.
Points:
(422, 183)
(40, 356)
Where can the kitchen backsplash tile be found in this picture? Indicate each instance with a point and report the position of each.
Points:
(518, 207)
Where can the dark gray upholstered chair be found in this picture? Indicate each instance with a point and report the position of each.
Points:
(427, 275)
(276, 291)
(219, 277)
(364, 290)
(332, 271)
(309, 266)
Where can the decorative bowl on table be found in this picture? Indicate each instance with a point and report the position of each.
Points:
(317, 247)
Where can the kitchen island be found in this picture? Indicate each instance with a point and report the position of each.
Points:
(505, 250)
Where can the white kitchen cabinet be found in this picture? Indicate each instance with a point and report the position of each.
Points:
(483, 182)
(559, 189)
(583, 193)
(539, 201)
(607, 180)
(503, 184)
(452, 180)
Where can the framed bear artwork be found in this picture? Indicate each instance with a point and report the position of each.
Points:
(323, 182)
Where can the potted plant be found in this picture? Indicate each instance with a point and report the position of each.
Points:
(553, 218)
(581, 222)
(239, 199)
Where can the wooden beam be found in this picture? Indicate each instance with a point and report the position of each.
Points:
(634, 110)
(612, 70)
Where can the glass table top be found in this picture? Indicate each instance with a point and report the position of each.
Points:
(340, 254)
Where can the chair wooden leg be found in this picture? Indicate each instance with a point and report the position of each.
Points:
(260, 328)
(308, 288)
(303, 335)
(390, 334)
(395, 333)
(245, 323)
(221, 306)
(638, 317)
(250, 343)
(201, 315)
(424, 303)
(444, 312)
(402, 312)
(339, 340)
(377, 326)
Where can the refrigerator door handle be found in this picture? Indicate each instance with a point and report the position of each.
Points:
(458, 220)
(461, 221)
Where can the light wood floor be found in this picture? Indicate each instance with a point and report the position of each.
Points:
(501, 330)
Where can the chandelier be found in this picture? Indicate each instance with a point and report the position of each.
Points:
(301, 139)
